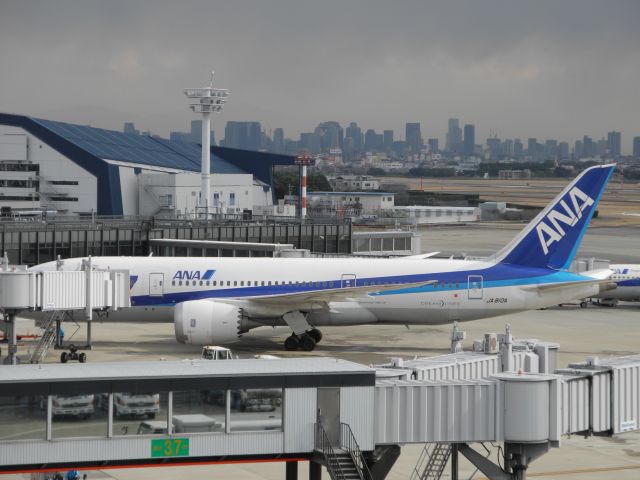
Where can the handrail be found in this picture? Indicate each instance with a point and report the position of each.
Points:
(323, 445)
(349, 443)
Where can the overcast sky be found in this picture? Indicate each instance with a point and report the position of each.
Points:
(546, 69)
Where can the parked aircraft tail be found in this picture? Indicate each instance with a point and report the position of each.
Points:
(553, 237)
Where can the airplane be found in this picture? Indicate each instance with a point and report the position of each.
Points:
(627, 279)
(216, 300)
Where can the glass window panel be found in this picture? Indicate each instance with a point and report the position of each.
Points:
(138, 413)
(76, 416)
(22, 418)
(199, 411)
(256, 409)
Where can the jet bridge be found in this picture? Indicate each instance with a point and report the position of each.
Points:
(54, 292)
(348, 417)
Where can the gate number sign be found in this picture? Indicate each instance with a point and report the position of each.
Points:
(170, 447)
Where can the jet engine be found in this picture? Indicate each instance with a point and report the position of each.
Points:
(205, 322)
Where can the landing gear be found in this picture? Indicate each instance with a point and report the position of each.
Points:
(584, 304)
(315, 334)
(291, 343)
(307, 341)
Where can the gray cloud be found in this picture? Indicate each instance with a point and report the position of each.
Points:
(550, 69)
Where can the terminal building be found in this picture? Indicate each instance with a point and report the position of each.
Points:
(76, 169)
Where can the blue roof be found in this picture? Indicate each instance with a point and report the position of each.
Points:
(141, 149)
(88, 147)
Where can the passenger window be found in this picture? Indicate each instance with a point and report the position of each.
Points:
(228, 283)
(214, 283)
(331, 284)
(173, 283)
(180, 283)
(242, 283)
(276, 282)
(269, 282)
(207, 283)
(201, 283)
(235, 283)
(263, 283)
(194, 283)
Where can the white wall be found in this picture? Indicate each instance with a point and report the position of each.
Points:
(55, 166)
(185, 190)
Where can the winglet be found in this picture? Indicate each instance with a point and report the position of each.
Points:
(553, 237)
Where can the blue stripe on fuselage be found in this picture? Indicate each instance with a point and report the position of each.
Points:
(500, 275)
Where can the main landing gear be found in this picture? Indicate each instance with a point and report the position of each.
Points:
(307, 341)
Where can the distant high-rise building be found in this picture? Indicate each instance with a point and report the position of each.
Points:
(614, 142)
(518, 148)
(469, 139)
(563, 150)
(306, 142)
(588, 147)
(636, 147)
(532, 147)
(278, 140)
(244, 135)
(329, 135)
(413, 137)
(493, 147)
(196, 131)
(551, 149)
(387, 141)
(353, 141)
(130, 128)
(453, 142)
(370, 140)
(433, 145)
(577, 150)
(507, 148)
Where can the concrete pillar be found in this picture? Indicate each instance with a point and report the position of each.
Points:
(291, 471)
(315, 470)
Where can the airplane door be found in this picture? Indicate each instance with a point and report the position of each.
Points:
(475, 287)
(156, 284)
(348, 280)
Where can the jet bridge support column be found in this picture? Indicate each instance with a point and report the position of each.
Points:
(12, 339)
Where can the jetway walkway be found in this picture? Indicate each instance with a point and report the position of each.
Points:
(166, 412)
(57, 292)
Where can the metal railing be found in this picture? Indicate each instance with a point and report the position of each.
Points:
(323, 445)
(348, 442)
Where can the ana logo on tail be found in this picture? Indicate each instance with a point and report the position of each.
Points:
(552, 230)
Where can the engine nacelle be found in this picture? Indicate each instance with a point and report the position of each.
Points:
(205, 322)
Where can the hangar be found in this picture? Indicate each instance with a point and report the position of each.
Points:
(77, 169)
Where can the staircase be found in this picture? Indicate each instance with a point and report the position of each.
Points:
(431, 464)
(344, 461)
(347, 466)
(47, 338)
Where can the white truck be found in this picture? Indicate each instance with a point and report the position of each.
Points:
(78, 406)
(136, 405)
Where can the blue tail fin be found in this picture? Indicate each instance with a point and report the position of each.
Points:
(553, 237)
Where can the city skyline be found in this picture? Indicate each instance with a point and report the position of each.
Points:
(541, 69)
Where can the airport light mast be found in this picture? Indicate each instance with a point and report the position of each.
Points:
(206, 100)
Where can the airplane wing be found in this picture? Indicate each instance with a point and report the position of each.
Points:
(317, 299)
(419, 257)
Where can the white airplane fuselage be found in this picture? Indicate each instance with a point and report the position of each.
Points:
(466, 290)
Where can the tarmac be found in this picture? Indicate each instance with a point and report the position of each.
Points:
(595, 331)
